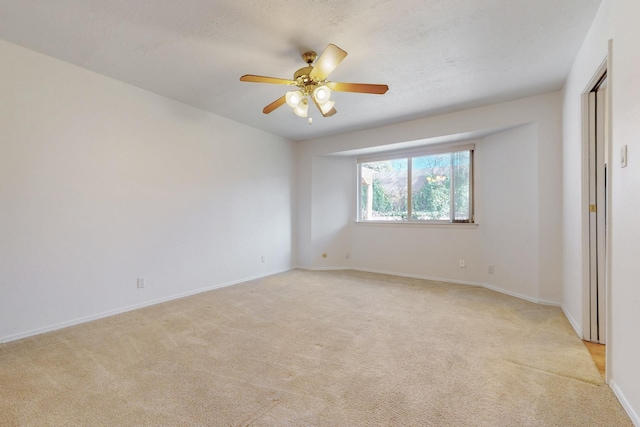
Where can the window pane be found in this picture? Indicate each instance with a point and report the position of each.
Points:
(431, 187)
(461, 183)
(384, 190)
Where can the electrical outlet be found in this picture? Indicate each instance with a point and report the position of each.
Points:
(490, 268)
(462, 264)
(263, 259)
(141, 282)
(347, 255)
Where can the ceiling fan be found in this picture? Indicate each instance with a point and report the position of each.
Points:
(311, 83)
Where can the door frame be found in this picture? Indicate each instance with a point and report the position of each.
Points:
(604, 68)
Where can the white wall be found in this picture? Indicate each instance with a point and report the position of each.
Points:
(101, 183)
(616, 20)
(331, 216)
(518, 194)
(509, 228)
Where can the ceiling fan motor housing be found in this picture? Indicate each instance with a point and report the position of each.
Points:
(305, 83)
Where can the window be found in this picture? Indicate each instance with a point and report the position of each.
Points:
(434, 185)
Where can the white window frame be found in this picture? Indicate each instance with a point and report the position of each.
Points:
(409, 155)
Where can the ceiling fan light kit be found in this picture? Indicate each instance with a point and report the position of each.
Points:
(311, 82)
(326, 107)
(302, 108)
(294, 98)
(321, 94)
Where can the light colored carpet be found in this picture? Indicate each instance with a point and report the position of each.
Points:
(313, 349)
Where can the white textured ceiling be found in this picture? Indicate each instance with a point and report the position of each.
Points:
(435, 55)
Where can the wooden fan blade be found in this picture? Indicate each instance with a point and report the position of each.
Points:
(275, 104)
(328, 113)
(263, 79)
(328, 61)
(358, 87)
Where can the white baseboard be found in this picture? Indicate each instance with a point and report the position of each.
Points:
(109, 313)
(522, 296)
(324, 268)
(438, 279)
(635, 419)
(416, 276)
(576, 326)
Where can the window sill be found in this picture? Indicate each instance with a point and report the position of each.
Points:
(417, 224)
